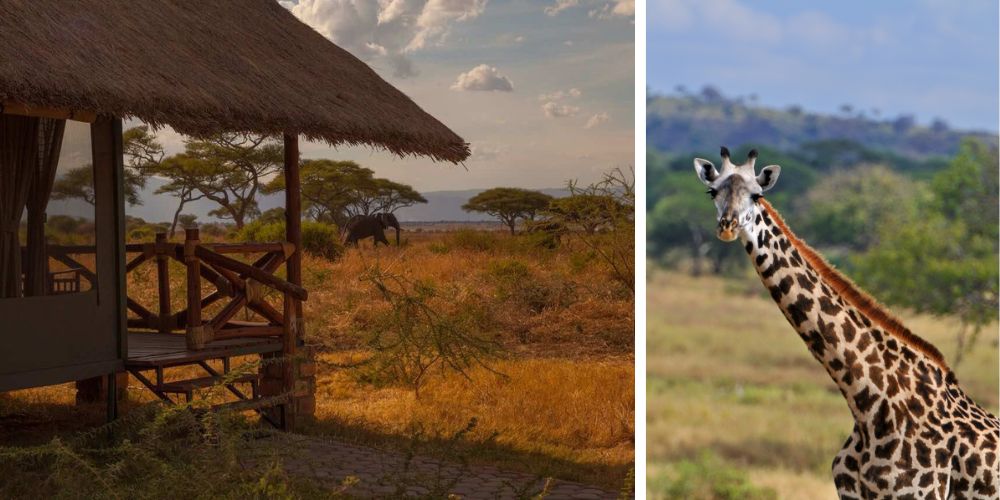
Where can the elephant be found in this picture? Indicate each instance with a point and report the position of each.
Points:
(389, 220)
(359, 227)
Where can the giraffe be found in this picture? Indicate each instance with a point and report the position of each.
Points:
(916, 433)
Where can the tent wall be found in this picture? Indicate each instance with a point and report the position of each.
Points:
(60, 338)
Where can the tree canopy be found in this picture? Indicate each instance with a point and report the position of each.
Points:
(509, 204)
(333, 191)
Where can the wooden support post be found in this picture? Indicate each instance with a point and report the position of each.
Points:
(163, 283)
(197, 333)
(299, 383)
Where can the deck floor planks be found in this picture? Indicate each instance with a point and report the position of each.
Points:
(149, 350)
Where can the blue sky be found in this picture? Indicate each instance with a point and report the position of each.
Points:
(929, 58)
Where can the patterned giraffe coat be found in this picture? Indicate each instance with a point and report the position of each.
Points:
(916, 433)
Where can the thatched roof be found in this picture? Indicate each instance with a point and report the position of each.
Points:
(204, 67)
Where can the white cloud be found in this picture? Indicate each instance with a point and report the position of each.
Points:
(617, 8)
(553, 109)
(596, 120)
(385, 30)
(484, 78)
(561, 94)
(485, 151)
(559, 6)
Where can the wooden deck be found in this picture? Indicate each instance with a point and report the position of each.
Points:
(151, 350)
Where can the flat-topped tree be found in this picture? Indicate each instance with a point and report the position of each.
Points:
(916, 433)
(509, 204)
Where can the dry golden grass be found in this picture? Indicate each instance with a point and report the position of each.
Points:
(726, 373)
(565, 408)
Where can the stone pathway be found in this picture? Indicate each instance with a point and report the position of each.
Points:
(363, 472)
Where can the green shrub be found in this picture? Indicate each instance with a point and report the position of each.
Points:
(318, 238)
(706, 478)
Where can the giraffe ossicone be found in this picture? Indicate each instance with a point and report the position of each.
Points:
(916, 433)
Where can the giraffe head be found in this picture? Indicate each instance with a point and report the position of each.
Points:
(735, 191)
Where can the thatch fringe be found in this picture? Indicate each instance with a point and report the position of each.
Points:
(206, 67)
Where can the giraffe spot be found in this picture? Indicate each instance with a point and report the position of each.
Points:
(828, 307)
(941, 457)
(844, 482)
(923, 454)
(783, 244)
(804, 282)
(749, 247)
(864, 340)
(875, 374)
(972, 464)
(885, 450)
(891, 387)
(785, 285)
(797, 310)
(864, 400)
(826, 329)
(872, 357)
(757, 220)
(848, 330)
(775, 293)
(882, 421)
(776, 232)
(836, 365)
(926, 479)
(760, 259)
(889, 358)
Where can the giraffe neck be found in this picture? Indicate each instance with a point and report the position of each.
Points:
(859, 344)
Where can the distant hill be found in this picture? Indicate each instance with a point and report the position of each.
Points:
(705, 120)
(440, 206)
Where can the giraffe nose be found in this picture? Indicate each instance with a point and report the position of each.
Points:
(727, 228)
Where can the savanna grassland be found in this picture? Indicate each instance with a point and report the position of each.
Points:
(548, 379)
(738, 408)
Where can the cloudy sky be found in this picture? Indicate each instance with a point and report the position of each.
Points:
(543, 90)
(930, 58)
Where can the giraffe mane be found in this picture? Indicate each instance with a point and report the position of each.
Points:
(857, 297)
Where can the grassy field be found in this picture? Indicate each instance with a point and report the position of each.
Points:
(738, 408)
(556, 399)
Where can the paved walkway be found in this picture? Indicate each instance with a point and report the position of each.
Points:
(368, 473)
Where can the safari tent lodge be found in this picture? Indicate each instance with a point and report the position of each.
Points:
(70, 74)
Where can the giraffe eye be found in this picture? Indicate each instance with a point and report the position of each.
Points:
(755, 197)
(712, 193)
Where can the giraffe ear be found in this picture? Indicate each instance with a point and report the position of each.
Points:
(768, 177)
(706, 171)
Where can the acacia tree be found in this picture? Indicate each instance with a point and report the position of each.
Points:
(509, 204)
(142, 155)
(336, 190)
(228, 169)
(589, 211)
(78, 182)
(383, 195)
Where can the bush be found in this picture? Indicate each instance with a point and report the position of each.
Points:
(318, 238)
(706, 478)
(515, 281)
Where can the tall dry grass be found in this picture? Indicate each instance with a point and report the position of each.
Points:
(727, 375)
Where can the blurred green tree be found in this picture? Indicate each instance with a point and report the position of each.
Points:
(944, 262)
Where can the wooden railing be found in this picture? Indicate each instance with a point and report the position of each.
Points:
(241, 284)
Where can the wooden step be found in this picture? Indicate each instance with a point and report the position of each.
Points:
(252, 404)
(190, 385)
(233, 323)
